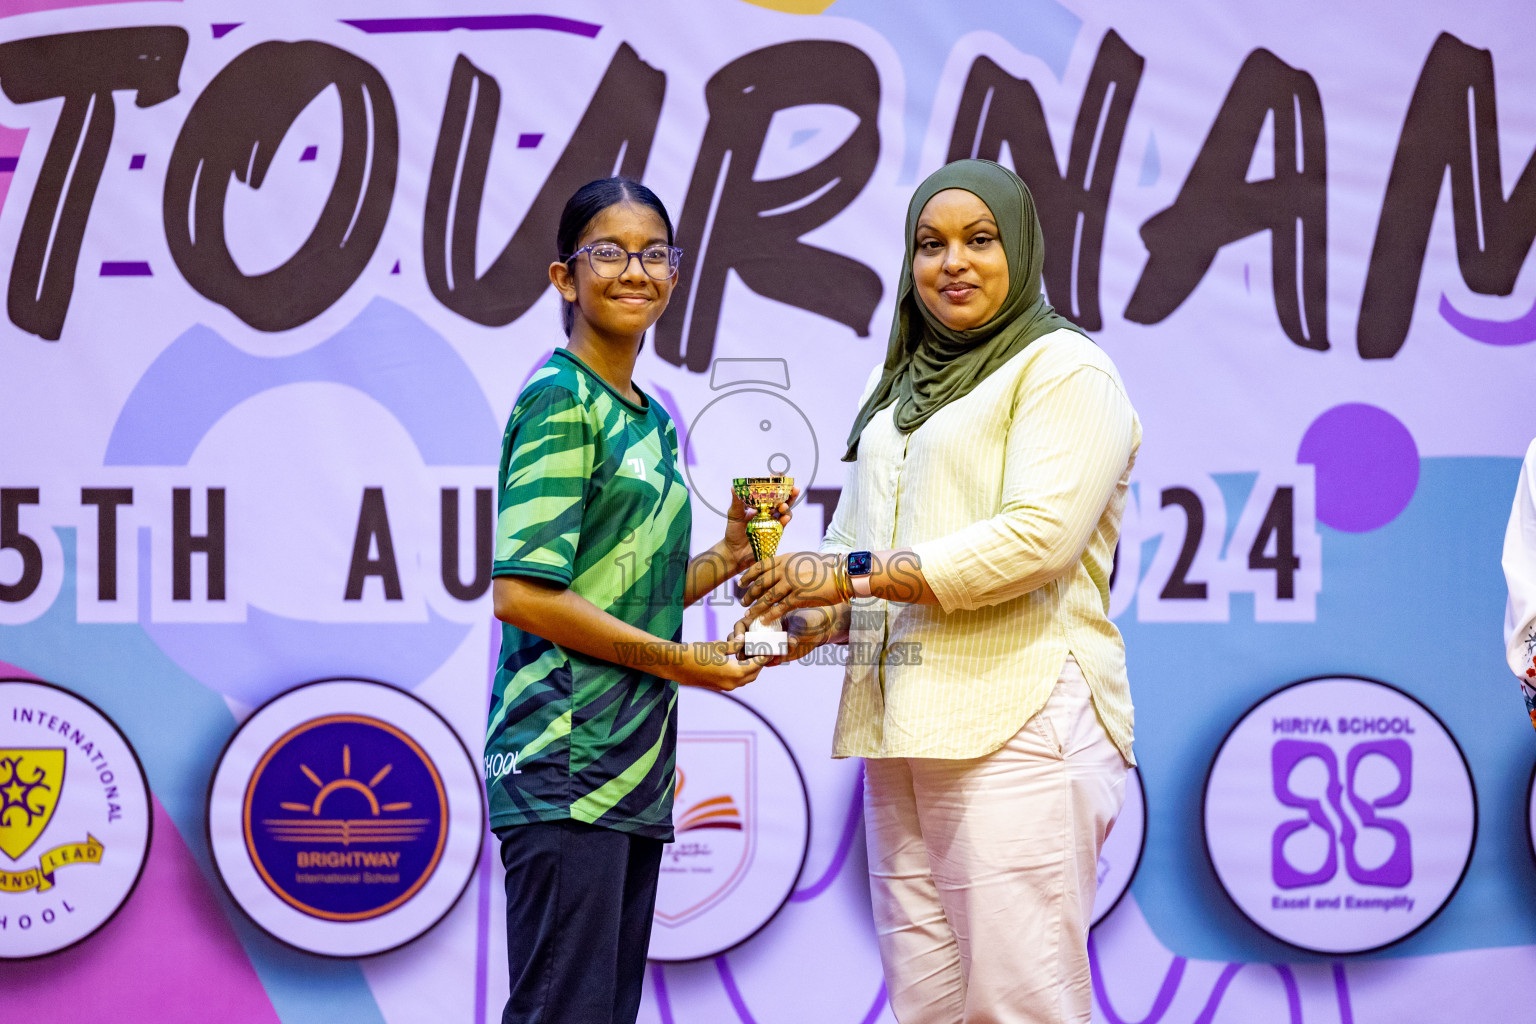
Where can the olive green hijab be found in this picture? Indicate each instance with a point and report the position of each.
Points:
(927, 365)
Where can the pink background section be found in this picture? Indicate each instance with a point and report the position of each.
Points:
(169, 947)
(10, 7)
(11, 140)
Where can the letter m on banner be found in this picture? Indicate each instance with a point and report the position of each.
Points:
(1452, 125)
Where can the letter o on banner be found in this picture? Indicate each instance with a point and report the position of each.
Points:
(235, 128)
(1332, 835)
(743, 825)
(345, 817)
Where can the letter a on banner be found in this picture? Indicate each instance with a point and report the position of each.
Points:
(1218, 205)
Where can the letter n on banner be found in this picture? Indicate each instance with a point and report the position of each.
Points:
(996, 108)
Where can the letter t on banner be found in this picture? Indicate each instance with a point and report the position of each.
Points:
(84, 68)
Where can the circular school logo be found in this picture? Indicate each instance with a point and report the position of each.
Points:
(743, 826)
(75, 819)
(1339, 815)
(1121, 854)
(345, 817)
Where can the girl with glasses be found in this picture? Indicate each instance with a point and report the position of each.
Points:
(591, 576)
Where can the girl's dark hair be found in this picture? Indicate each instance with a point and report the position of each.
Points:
(582, 208)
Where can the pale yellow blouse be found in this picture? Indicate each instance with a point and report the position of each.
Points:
(1012, 497)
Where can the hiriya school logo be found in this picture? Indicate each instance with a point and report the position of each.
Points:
(75, 819)
(345, 817)
(742, 821)
(1340, 815)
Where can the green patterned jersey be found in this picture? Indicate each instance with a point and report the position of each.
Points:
(592, 498)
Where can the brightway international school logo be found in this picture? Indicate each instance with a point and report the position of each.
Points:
(74, 819)
(742, 824)
(341, 852)
(1340, 815)
(345, 817)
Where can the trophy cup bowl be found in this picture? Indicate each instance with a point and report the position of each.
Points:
(765, 494)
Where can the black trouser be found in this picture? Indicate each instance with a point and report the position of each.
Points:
(579, 906)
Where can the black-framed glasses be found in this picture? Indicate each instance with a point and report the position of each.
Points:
(609, 260)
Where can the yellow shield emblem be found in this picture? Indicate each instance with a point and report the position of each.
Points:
(30, 782)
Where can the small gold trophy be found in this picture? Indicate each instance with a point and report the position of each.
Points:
(766, 494)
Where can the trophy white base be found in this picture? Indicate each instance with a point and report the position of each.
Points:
(759, 641)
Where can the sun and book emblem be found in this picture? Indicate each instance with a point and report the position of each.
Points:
(313, 827)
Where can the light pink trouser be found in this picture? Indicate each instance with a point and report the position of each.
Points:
(983, 871)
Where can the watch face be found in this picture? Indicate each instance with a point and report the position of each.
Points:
(859, 563)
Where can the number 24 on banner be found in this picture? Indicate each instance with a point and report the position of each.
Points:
(1188, 544)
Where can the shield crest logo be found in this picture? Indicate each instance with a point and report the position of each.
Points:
(30, 783)
(715, 821)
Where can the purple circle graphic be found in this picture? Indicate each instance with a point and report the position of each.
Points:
(1367, 466)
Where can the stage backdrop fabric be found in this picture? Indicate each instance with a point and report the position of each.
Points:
(276, 272)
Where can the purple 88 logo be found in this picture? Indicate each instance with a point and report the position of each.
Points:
(1397, 870)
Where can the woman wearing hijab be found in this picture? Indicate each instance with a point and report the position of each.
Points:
(967, 567)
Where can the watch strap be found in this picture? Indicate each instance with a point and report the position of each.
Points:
(858, 582)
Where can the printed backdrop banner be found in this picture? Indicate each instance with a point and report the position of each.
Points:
(275, 273)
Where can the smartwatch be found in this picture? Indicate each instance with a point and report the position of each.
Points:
(859, 564)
